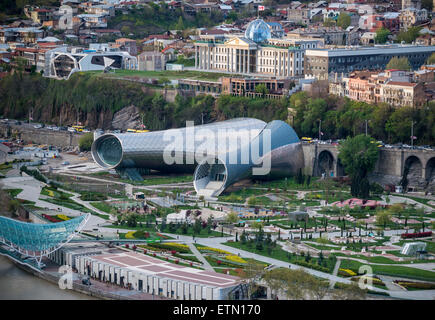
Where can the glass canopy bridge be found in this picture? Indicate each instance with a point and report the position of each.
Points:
(36, 241)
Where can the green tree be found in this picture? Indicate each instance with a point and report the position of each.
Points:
(399, 63)
(180, 24)
(431, 59)
(383, 217)
(382, 35)
(359, 156)
(343, 20)
(232, 217)
(261, 88)
(328, 22)
(399, 124)
(409, 35)
(85, 141)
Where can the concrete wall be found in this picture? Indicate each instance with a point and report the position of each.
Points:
(41, 136)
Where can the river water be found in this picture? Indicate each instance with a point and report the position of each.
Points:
(17, 284)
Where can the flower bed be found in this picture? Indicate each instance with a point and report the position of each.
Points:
(366, 278)
(234, 258)
(63, 217)
(213, 250)
(171, 246)
(416, 235)
(347, 272)
(130, 235)
(51, 218)
(415, 285)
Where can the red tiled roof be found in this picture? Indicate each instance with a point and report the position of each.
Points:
(398, 83)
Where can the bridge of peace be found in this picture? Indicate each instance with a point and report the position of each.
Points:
(395, 162)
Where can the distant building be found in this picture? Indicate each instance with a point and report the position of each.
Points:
(254, 53)
(330, 35)
(410, 17)
(395, 87)
(64, 61)
(322, 62)
(151, 61)
(128, 45)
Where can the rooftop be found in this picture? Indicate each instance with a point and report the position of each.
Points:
(153, 266)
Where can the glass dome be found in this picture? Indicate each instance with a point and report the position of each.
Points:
(258, 31)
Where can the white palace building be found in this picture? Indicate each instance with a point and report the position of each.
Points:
(255, 53)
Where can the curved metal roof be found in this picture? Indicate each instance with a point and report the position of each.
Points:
(35, 239)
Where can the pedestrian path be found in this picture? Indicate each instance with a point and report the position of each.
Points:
(200, 257)
(335, 272)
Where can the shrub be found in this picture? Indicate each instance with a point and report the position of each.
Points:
(416, 235)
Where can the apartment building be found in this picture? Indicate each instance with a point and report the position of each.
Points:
(395, 87)
(320, 63)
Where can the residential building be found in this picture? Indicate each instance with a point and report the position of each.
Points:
(128, 45)
(395, 87)
(411, 4)
(94, 20)
(299, 15)
(410, 17)
(151, 61)
(322, 62)
(330, 35)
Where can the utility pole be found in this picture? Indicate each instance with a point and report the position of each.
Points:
(412, 134)
(366, 126)
(320, 128)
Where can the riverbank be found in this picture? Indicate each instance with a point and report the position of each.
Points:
(19, 284)
(97, 289)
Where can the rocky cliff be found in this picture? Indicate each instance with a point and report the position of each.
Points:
(126, 118)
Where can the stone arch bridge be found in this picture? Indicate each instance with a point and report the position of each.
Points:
(417, 165)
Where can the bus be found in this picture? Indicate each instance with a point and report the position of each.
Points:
(136, 131)
(78, 128)
(307, 140)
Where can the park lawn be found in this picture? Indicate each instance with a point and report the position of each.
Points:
(423, 201)
(150, 228)
(430, 246)
(13, 192)
(241, 195)
(54, 193)
(199, 75)
(232, 271)
(149, 180)
(276, 253)
(203, 233)
(68, 203)
(103, 206)
(323, 247)
(393, 270)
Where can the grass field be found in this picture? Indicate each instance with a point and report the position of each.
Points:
(199, 75)
(394, 270)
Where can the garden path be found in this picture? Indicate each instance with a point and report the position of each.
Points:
(200, 257)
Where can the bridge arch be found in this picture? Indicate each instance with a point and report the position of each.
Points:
(430, 170)
(414, 166)
(413, 171)
(326, 163)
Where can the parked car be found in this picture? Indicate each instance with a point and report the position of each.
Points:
(65, 163)
(71, 129)
(38, 126)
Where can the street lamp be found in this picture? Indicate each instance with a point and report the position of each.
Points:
(320, 128)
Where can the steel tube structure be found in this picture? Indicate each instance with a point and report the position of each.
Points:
(219, 153)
